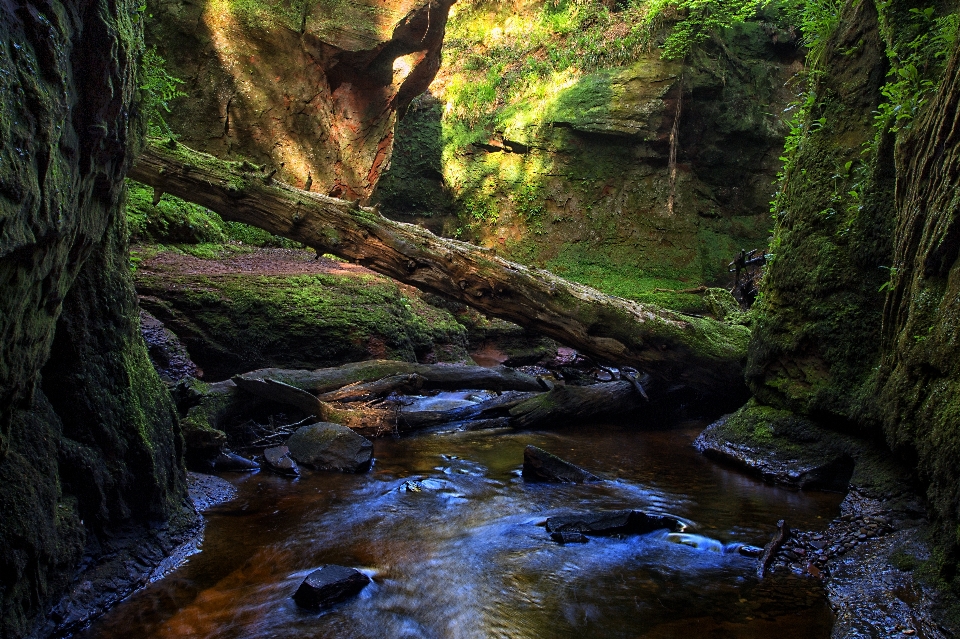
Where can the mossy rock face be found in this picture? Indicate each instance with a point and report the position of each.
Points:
(798, 452)
(857, 320)
(573, 176)
(817, 336)
(237, 323)
(918, 380)
(90, 450)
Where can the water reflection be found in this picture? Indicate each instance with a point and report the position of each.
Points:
(453, 540)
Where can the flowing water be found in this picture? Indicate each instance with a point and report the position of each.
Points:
(452, 537)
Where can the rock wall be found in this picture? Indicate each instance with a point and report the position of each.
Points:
(89, 441)
(858, 322)
(816, 341)
(310, 88)
(580, 181)
(918, 381)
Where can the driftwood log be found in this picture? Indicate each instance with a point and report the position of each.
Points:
(296, 387)
(361, 391)
(564, 404)
(435, 376)
(773, 546)
(697, 352)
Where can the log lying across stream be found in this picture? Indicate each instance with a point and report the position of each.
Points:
(374, 398)
(673, 349)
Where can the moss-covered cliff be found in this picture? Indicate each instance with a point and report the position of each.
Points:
(857, 325)
(89, 442)
(918, 382)
(557, 134)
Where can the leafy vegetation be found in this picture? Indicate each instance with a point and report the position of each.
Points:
(917, 52)
(157, 89)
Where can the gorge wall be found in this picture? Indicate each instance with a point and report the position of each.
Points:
(857, 327)
(90, 449)
(311, 89)
(601, 162)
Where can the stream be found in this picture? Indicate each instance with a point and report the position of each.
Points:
(453, 539)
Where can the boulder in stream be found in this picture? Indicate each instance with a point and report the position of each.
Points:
(569, 537)
(616, 522)
(329, 585)
(327, 446)
(278, 460)
(539, 465)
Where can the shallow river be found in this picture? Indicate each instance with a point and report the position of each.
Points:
(453, 539)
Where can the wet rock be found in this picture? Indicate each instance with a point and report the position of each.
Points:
(617, 522)
(797, 452)
(278, 460)
(539, 465)
(750, 551)
(833, 475)
(167, 354)
(228, 461)
(327, 446)
(568, 537)
(207, 491)
(329, 585)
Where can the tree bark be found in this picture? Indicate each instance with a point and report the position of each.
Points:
(565, 404)
(674, 349)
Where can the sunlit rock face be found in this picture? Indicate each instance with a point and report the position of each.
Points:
(311, 88)
(624, 174)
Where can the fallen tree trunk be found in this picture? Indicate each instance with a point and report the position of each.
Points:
(358, 392)
(698, 352)
(566, 404)
(435, 376)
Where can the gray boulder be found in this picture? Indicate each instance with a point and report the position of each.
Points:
(277, 459)
(539, 465)
(327, 446)
(329, 585)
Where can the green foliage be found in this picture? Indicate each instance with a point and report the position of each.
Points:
(702, 19)
(511, 60)
(157, 89)
(816, 20)
(917, 53)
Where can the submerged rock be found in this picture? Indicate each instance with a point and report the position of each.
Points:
(327, 446)
(329, 585)
(278, 460)
(539, 465)
(568, 537)
(616, 522)
(750, 551)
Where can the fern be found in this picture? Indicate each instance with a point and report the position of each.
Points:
(157, 89)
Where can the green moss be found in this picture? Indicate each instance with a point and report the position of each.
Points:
(904, 561)
(239, 323)
(175, 221)
(782, 437)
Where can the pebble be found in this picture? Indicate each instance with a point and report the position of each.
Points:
(816, 549)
